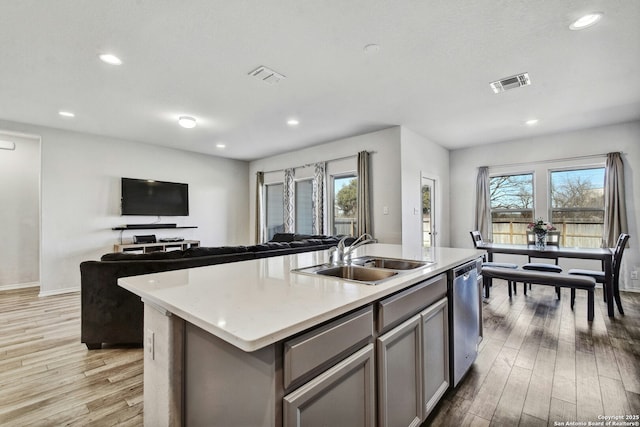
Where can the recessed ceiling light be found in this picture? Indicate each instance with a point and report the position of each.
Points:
(371, 48)
(586, 21)
(66, 114)
(531, 122)
(221, 146)
(187, 122)
(110, 59)
(293, 122)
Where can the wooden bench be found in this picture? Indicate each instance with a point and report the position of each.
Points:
(544, 278)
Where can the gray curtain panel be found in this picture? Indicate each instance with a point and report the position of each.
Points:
(259, 207)
(318, 198)
(289, 201)
(364, 195)
(615, 209)
(483, 204)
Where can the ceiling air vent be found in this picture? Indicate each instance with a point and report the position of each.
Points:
(267, 75)
(510, 83)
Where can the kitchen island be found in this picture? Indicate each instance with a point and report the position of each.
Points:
(253, 343)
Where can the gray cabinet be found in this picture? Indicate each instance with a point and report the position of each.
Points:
(399, 375)
(435, 351)
(413, 356)
(413, 367)
(341, 396)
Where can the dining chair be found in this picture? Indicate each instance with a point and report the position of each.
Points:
(553, 239)
(615, 271)
(477, 239)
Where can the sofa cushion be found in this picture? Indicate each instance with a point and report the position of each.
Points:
(282, 237)
(269, 246)
(309, 236)
(218, 250)
(158, 255)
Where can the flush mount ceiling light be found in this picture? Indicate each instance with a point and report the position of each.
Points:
(110, 59)
(221, 146)
(66, 114)
(586, 21)
(7, 145)
(531, 122)
(187, 122)
(293, 122)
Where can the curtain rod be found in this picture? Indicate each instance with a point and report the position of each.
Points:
(590, 156)
(311, 164)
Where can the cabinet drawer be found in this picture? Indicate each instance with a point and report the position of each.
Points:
(401, 306)
(313, 349)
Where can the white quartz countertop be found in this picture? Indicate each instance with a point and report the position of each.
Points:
(252, 304)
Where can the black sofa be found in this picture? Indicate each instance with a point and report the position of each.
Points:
(114, 316)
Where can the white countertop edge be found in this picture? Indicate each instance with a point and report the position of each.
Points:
(247, 344)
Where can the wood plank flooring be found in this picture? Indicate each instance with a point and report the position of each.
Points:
(539, 363)
(48, 378)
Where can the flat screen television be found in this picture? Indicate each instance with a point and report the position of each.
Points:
(154, 198)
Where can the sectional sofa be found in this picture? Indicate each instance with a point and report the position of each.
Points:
(111, 315)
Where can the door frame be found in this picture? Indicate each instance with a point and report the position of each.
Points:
(434, 220)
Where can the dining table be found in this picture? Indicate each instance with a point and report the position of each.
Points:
(605, 255)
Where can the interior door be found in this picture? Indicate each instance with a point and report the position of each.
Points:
(428, 212)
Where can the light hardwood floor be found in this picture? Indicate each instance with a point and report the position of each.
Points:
(542, 363)
(48, 378)
(539, 363)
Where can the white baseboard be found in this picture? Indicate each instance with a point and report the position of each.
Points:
(58, 292)
(19, 286)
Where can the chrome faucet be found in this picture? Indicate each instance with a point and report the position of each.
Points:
(341, 254)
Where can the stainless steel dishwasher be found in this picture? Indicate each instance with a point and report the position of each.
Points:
(466, 318)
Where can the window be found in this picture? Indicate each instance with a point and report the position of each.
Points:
(274, 201)
(304, 206)
(511, 207)
(577, 206)
(345, 205)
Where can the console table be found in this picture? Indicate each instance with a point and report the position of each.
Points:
(156, 247)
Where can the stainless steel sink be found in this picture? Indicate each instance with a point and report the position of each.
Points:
(360, 274)
(354, 273)
(388, 263)
(368, 269)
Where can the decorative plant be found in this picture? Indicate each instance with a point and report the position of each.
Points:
(540, 227)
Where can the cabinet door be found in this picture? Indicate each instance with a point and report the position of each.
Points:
(399, 374)
(435, 348)
(341, 396)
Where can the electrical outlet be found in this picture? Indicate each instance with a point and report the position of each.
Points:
(151, 345)
(634, 275)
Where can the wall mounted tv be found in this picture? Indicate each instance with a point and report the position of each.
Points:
(154, 198)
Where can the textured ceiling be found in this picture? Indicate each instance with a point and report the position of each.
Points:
(431, 74)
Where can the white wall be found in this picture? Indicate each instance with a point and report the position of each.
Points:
(623, 137)
(421, 157)
(20, 211)
(385, 175)
(81, 190)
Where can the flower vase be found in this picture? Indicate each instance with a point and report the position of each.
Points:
(541, 240)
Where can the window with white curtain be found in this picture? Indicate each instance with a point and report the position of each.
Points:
(304, 206)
